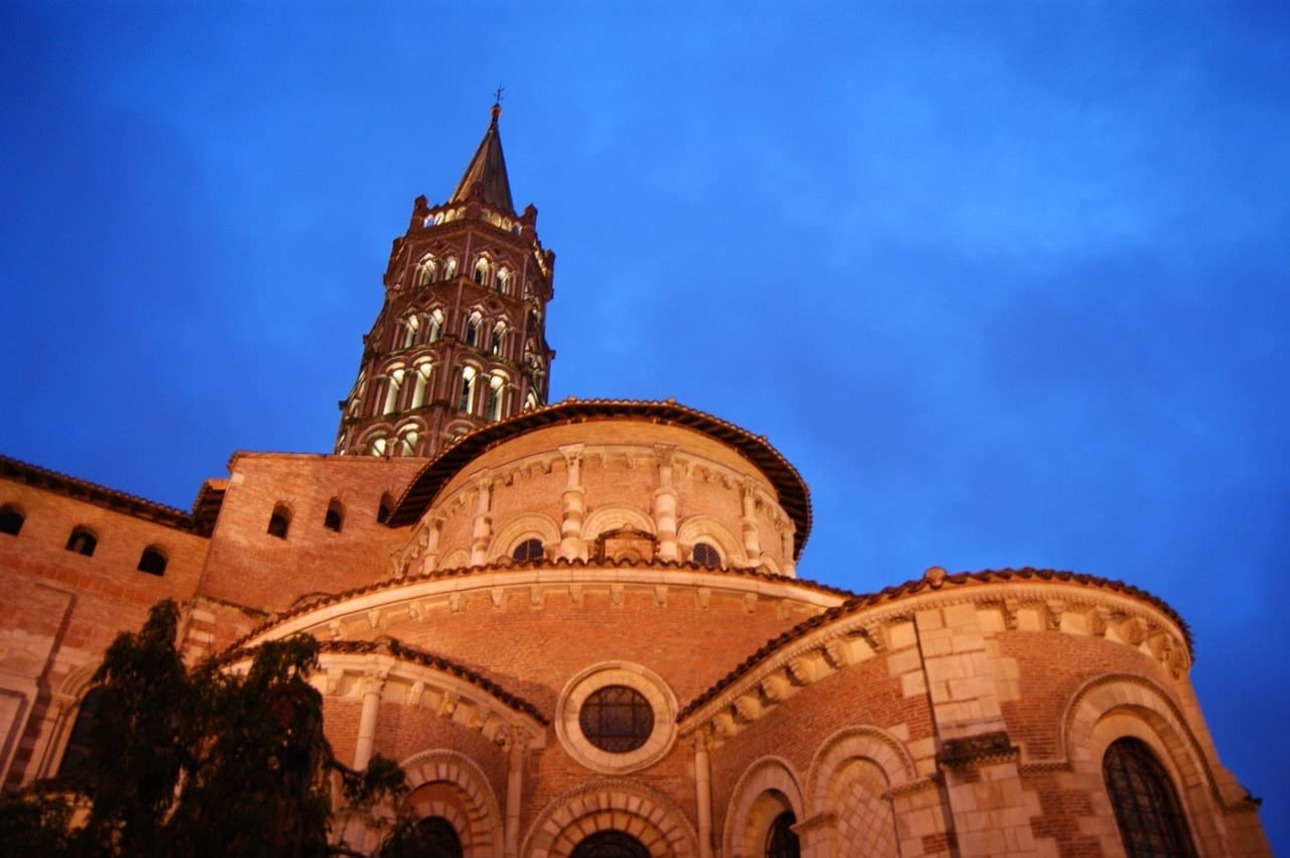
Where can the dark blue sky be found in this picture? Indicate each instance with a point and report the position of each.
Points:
(1006, 281)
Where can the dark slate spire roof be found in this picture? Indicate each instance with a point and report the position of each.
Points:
(489, 168)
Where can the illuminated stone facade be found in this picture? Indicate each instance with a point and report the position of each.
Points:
(582, 630)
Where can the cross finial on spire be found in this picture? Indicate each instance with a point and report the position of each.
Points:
(497, 101)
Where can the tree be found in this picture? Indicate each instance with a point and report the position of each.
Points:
(207, 762)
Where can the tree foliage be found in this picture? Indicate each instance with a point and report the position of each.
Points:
(208, 762)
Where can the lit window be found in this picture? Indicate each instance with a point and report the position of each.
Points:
(280, 521)
(499, 340)
(422, 382)
(529, 549)
(467, 389)
(82, 541)
(1146, 806)
(617, 719)
(436, 326)
(335, 516)
(376, 446)
(481, 272)
(393, 386)
(11, 519)
(450, 268)
(705, 555)
(502, 277)
(152, 561)
(495, 394)
(427, 271)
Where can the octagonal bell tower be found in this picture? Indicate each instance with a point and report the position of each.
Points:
(460, 340)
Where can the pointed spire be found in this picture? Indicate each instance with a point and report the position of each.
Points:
(488, 167)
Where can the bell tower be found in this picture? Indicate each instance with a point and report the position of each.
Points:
(460, 340)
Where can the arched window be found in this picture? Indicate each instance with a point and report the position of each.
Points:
(1146, 807)
(280, 521)
(781, 840)
(529, 549)
(438, 838)
(481, 271)
(467, 397)
(503, 278)
(436, 326)
(376, 446)
(392, 391)
(427, 271)
(334, 519)
(422, 382)
(496, 392)
(408, 439)
(705, 555)
(11, 519)
(499, 340)
(82, 541)
(473, 325)
(450, 268)
(152, 561)
(609, 844)
(410, 325)
(78, 743)
(385, 508)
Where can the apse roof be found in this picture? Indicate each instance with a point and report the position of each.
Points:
(793, 494)
(487, 167)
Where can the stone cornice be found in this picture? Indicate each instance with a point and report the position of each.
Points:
(574, 575)
(92, 493)
(422, 671)
(1053, 602)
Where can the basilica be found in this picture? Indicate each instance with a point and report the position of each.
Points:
(587, 628)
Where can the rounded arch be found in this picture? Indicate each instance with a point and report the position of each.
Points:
(699, 528)
(1119, 706)
(612, 804)
(514, 531)
(68, 697)
(872, 743)
(450, 785)
(851, 777)
(765, 790)
(615, 517)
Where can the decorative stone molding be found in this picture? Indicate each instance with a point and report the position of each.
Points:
(653, 818)
(640, 679)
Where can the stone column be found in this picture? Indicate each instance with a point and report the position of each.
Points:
(665, 504)
(748, 522)
(573, 504)
(516, 745)
(482, 529)
(703, 791)
(430, 559)
(371, 686)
